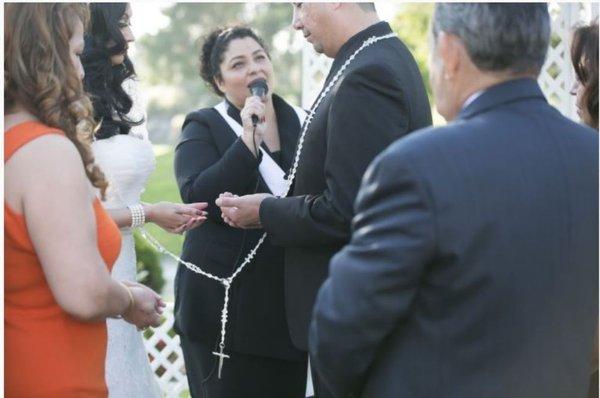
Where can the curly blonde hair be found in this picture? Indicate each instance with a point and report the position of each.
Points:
(40, 76)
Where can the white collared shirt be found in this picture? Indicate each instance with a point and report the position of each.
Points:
(472, 98)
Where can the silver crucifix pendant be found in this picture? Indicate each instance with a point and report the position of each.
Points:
(221, 356)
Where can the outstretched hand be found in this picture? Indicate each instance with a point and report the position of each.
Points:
(241, 211)
(177, 218)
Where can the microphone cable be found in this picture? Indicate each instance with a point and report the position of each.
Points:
(254, 138)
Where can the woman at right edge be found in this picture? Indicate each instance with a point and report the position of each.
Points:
(584, 56)
(211, 159)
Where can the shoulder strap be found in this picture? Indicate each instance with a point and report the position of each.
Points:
(237, 128)
(23, 133)
(270, 171)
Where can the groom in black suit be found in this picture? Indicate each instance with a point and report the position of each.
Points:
(378, 97)
(473, 266)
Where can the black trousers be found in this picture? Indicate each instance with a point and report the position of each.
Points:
(243, 376)
(593, 390)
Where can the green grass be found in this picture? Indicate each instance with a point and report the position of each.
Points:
(161, 186)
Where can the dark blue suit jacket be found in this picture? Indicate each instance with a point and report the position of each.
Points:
(473, 265)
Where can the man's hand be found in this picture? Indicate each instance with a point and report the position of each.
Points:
(241, 211)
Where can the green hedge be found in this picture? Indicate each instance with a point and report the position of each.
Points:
(149, 270)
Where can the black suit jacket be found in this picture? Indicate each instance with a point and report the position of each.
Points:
(473, 266)
(379, 98)
(210, 160)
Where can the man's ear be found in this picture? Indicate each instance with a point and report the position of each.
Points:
(451, 49)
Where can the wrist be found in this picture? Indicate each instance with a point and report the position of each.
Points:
(138, 215)
(148, 211)
(131, 300)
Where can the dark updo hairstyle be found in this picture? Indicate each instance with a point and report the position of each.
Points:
(584, 55)
(215, 45)
(103, 81)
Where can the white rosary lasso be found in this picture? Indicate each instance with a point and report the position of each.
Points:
(250, 256)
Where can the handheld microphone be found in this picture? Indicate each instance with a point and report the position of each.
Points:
(258, 87)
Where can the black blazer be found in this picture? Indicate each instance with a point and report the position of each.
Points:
(473, 266)
(380, 97)
(210, 160)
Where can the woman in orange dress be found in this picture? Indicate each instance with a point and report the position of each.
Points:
(59, 242)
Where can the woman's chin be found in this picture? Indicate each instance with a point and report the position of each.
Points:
(117, 59)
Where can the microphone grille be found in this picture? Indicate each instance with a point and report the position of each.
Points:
(258, 83)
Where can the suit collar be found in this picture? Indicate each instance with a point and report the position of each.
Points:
(377, 29)
(502, 93)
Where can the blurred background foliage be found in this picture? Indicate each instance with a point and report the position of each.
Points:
(411, 24)
(149, 270)
(169, 59)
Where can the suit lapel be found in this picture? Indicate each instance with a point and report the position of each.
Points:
(223, 135)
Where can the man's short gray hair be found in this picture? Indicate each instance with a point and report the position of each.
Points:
(499, 37)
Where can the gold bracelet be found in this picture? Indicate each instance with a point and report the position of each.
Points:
(131, 299)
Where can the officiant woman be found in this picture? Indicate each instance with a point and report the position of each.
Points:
(220, 151)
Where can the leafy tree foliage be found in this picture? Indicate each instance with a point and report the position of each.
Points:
(412, 26)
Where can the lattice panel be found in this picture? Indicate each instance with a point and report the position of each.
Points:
(556, 79)
(166, 359)
(314, 71)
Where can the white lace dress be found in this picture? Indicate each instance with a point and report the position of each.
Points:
(127, 161)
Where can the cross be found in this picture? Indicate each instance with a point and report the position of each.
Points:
(221, 356)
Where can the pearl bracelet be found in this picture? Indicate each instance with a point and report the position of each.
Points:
(138, 216)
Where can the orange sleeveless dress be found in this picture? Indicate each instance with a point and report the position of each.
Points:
(47, 352)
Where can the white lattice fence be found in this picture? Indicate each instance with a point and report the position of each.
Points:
(556, 79)
(314, 71)
(557, 76)
(166, 359)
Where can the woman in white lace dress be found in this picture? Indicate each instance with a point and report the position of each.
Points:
(124, 153)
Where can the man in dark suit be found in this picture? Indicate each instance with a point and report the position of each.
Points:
(473, 266)
(378, 97)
